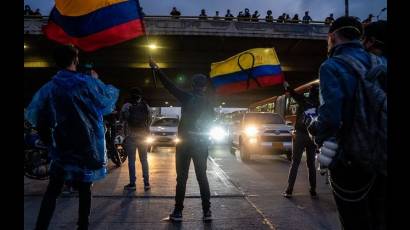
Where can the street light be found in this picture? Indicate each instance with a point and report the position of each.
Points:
(25, 46)
(166, 102)
(152, 46)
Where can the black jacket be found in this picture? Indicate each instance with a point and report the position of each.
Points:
(304, 104)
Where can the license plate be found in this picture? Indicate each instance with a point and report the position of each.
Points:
(277, 145)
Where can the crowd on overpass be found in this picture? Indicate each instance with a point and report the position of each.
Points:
(29, 12)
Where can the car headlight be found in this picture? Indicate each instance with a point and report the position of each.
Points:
(177, 140)
(251, 131)
(217, 133)
(149, 140)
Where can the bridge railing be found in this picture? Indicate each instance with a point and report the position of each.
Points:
(192, 25)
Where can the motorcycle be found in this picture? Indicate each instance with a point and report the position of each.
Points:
(36, 159)
(114, 142)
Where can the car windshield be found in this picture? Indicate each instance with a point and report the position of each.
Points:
(168, 122)
(264, 118)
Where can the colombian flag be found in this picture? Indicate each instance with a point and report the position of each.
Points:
(250, 69)
(93, 24)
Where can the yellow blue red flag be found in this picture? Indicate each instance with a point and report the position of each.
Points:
(93, 24)
(250, 69)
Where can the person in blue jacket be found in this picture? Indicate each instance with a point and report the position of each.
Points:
(68, 112)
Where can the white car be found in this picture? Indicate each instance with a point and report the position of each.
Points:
(164, 132)
(261, 133)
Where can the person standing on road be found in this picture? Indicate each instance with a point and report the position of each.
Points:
(302, 140)
(68, 112)
(351, 131)
(137, 117)
(196, 115)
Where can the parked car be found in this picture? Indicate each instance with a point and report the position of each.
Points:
(261, 133)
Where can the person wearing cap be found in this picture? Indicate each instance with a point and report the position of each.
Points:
(136, 116)
(368, 19)
(358, 208)
(197, 112)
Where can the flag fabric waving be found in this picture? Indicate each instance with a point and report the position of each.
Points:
(250, 69)
(94, 24)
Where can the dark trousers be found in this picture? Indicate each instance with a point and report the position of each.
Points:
(199, 155)
(54, 189)
(131, 143)
(302, 142)
(368, 213)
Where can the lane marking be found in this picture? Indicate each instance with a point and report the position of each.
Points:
(265, 220)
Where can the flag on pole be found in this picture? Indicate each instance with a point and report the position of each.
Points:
(94, 24)
(250, 69)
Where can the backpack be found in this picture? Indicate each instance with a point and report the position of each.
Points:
(365, 141)
(138, 115)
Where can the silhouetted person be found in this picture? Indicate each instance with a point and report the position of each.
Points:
(175, 13)
(306, 19)
(247, 15)
(203, 15)
(269, 17)
(240, 16)
(329, 20)
(27, 10)
(287, 18)
(255, 16)
(216, 17)
(281, 19)
(295, 19)
(228, 16)
(37, 12)
(368, 19)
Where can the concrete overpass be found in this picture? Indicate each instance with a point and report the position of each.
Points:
(186, 46)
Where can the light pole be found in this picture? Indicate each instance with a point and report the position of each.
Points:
(346, 8)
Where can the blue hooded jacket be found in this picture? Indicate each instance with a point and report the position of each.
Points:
(74, 105)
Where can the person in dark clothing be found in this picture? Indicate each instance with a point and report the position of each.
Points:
(329, 20)
(255, 16)
(228, 15)
(295, 19)
(302, 140)
(247, 15)
(287, 18)
(217, 17)
(37, 12)
(240, 16)
(306, 19)
(269, 17)
(27, 10)
(203, 15)
(175, 13)
(196, 114)
(281, 19)
(137, 129)
(360, 196)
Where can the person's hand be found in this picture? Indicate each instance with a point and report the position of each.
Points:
(327, 153)
(286, 85)
(153, 64)
(94, 74)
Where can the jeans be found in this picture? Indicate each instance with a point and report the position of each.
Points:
(302, 141)
(368, 213)
(131, 143)
(54, 189)
(199, 155)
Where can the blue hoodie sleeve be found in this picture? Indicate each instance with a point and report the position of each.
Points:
(330, 111)
(104, 96)
(38, 106)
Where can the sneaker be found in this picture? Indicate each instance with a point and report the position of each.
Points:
(130, 187)
(287, 194)
(147, 186)
(176, 216)
(207, 215)
(313, 193)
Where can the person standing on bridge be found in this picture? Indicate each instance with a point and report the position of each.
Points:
(302, 140)
(228, 15)
(269, 17)
(196, 115)
(175, 13)
(137, 117)
(203, 15)
(255, 16)
(68, 112)
(306, 19)
(329, 20)
(247, 15)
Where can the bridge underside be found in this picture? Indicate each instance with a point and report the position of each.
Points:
(125, 65)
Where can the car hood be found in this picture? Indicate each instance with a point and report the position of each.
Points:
(163, 129)
(275, 127)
